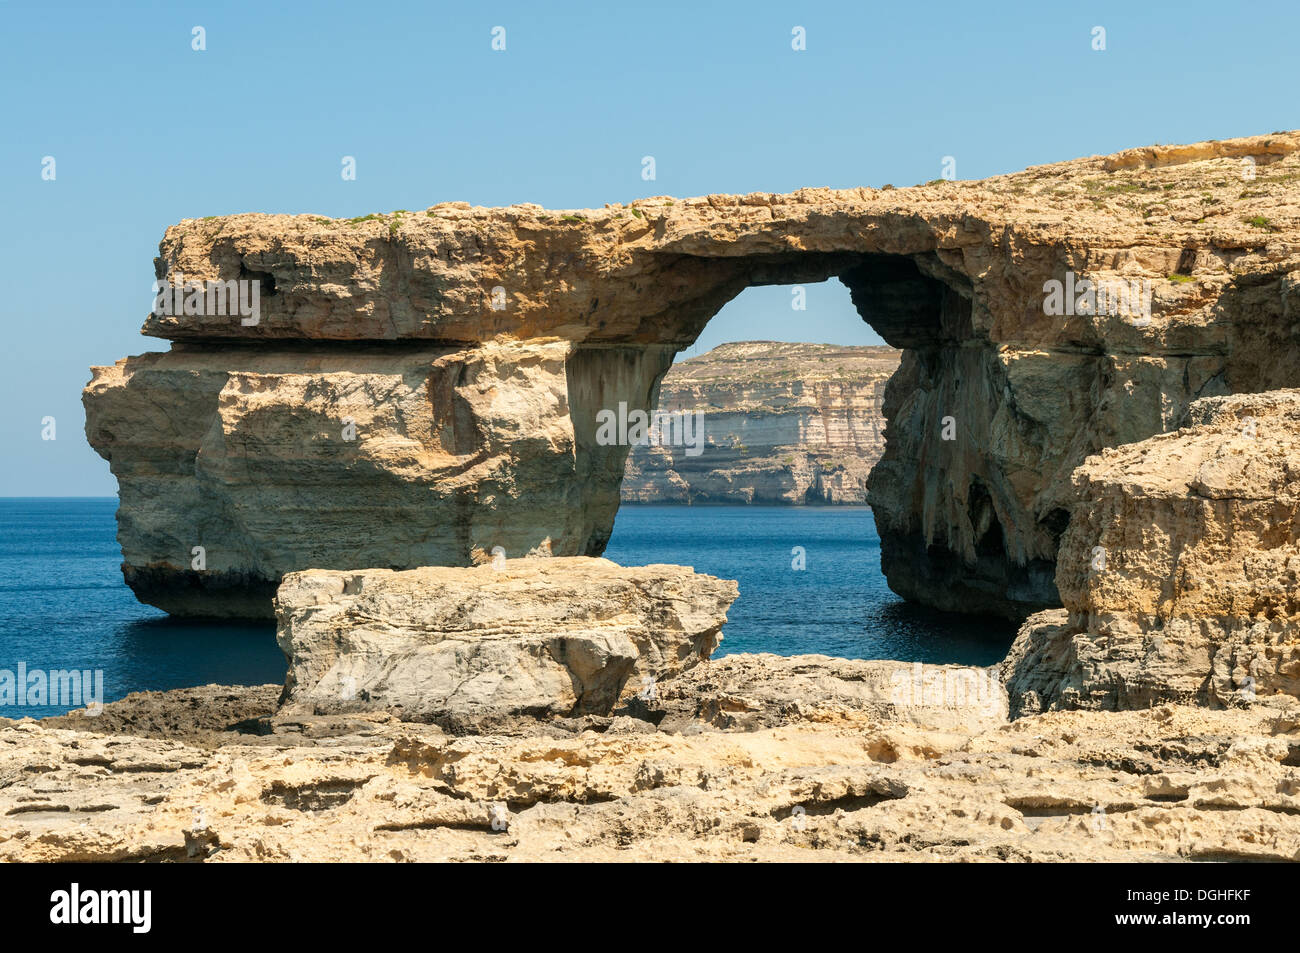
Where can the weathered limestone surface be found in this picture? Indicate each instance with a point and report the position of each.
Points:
(783, 423)
(845, 774)
(1180, 570)
(480, 647)
(274, 461)
(474, 347)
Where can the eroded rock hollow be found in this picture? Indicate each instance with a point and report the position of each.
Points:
(420, 388)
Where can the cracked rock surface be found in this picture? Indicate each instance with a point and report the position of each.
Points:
(859, 771)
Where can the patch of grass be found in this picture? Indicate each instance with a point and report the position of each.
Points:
(637, 213)
(1180, 279)
(208, 218)
(322, 221)
(1259, 221)
(886, 187)
(572, 218)
(363, 218)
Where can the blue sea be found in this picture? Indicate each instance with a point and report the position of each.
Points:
(64, 606)
(839, 604)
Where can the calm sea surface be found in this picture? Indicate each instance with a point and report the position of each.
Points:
(63, 604)
(838, 605)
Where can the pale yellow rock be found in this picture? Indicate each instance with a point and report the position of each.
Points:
(477, 648)
(825, 782)
(542, 319)
(1180, 570)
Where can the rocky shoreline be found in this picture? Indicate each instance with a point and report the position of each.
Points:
(493, 692)
(754, 758)
(585, 720)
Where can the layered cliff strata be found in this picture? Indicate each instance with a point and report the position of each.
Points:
(473, 349)
(780, 423)
(480, 647)
(1180, 570)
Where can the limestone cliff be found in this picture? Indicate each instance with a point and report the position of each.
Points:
(782, 423)
(473, 350)
(1180, 570)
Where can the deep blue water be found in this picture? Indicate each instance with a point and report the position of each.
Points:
(63, 604)
(839, 604)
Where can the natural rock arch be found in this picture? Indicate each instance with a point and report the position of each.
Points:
(472, 348)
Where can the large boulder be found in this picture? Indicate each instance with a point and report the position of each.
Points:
(1179, 569)
(477, 647)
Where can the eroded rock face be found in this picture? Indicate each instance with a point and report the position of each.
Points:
(781, 423)
(275, 461)
(842, 773)
(479, 647)
(506, 331)
(1180, 570)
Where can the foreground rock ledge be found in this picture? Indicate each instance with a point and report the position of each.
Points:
(1180, 570)
(798, 759)
(543, 637)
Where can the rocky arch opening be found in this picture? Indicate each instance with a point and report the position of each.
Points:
(941, 408)
(937, 523)
(785, 385)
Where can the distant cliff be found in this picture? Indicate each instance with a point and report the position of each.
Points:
(783, 423)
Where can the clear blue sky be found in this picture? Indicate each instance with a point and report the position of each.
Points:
(145, 131)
